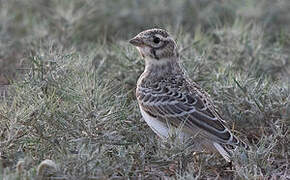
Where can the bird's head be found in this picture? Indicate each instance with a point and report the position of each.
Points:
(155, 45)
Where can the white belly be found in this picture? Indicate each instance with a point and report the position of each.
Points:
(160, 128)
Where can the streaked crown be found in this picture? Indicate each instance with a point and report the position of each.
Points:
(155, 44)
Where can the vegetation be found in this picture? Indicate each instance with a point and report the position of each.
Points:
(72, 76)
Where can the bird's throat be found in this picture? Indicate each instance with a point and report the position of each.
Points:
(161, 67)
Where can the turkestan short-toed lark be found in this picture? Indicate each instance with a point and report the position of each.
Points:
(167, 98)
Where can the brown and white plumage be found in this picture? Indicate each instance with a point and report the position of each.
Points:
(168, 98)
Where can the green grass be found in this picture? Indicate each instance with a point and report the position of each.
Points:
(73, 74)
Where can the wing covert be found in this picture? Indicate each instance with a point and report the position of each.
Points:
(182, 107)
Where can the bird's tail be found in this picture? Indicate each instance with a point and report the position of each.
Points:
(223, 151)
(226, 149)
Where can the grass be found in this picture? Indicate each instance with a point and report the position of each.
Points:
(72, 77)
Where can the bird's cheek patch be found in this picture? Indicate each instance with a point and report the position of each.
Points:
(153, 52)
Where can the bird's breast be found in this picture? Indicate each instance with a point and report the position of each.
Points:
(156, 125)
(161, 128)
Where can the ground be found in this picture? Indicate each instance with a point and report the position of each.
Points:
(68, 75)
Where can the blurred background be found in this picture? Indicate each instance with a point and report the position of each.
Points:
(80, 23)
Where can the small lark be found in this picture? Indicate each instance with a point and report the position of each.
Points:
(168, 98)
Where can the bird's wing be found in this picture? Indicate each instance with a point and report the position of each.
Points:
(185, 107)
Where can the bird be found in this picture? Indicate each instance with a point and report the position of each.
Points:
(168, 98)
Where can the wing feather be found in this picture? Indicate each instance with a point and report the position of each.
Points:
(189, 108)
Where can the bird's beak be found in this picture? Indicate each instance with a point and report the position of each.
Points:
(136, 41)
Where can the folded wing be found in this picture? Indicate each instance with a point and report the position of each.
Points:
(188, 108)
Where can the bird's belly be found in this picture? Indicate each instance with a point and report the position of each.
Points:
(160, 128)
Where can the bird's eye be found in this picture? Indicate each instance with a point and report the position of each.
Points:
(156, 40)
